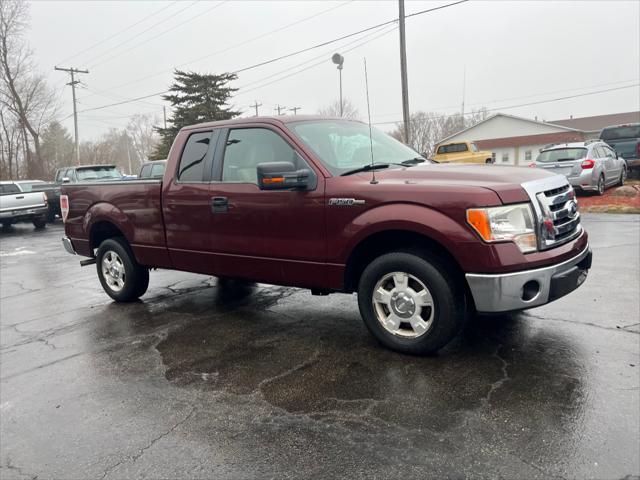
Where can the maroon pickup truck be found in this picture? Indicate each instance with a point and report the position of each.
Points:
(321, 204)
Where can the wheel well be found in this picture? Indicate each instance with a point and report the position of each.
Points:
(101, 231)
(393, 240)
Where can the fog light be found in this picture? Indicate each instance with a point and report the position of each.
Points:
(530, 290)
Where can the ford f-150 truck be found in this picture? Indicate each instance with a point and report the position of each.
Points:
(321, 204)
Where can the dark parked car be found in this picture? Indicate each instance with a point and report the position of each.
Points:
(153, 169)
(317, 203)
(625, 140)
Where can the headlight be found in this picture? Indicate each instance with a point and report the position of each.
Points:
(509, 223)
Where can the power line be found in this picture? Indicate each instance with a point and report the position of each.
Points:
(279, 29)
(313, 47)
(528, 104)
(485, 103)
(243, 90)
(199, 15)
(117, 33)
(170, 17)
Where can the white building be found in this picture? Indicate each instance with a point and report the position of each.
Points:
(517, 140)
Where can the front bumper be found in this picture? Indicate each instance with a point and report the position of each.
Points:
(493, 293)
(68, 246)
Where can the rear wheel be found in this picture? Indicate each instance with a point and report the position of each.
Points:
(601, 185)
(122, 278)
(409, 302)
(39, 223)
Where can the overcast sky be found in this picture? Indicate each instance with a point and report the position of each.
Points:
(513, 52)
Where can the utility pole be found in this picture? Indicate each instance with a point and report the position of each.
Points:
(164, 114)
(295, 110)
(73, 84)
(279, 109)
(403, 74)
(256, 105)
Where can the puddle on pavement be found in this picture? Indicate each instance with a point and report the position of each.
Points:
(308, 358)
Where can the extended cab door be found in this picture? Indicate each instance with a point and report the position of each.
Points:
(275, 236)
(186, 205)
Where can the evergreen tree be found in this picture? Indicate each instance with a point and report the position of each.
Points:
(195, 98)
(56, 148)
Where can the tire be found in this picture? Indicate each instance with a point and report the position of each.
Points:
(488, 161)
(39, 223)
(430, 326)
(122, 278)
(623, 177)
(6, 225)
(601, 185)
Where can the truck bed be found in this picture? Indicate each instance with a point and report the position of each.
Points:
(135, 207)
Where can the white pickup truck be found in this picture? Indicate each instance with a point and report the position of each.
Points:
(18, 206)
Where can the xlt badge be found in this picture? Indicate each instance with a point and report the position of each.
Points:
(345, 202)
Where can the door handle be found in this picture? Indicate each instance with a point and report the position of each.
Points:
(219, 204)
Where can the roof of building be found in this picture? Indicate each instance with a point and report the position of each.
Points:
(598, 122)
(514, 117)
(541, 139)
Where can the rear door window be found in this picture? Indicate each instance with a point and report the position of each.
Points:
(192, 162)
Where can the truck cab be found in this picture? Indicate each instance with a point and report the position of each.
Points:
(461, 152)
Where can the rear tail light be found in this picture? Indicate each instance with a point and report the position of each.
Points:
(638, 149)
(64, 207)
(46, 200)
(588, 163)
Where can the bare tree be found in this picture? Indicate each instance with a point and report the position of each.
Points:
(349, 110)
(428, 128)
(143, 136)
(24, 92)
(10, 145)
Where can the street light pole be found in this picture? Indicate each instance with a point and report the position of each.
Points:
(339, 61)
(403, 74)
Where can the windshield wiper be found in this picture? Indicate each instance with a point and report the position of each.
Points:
(412, 161)
(366, 168)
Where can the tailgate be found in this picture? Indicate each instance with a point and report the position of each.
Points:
(21, 201)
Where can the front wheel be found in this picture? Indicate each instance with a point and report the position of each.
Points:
(409, 302)
(623, 177)
(122, 278)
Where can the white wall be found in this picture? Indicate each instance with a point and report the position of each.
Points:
(516, 155)
(503, 127)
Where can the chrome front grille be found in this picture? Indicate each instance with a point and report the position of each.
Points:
(556, 208)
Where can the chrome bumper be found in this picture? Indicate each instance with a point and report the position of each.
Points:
(68, 246)
(530, 288)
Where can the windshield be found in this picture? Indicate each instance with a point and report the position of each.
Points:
(616, 133)
(562, 155)
(98, 173)
(344, 145)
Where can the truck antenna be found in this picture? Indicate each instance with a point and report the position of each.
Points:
(366, 85)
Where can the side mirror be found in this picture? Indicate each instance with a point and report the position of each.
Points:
(66, 180)
(282, 176)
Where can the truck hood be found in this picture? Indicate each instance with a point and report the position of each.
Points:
(504, 181)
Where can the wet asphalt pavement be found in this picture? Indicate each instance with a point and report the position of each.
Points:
(200, 380)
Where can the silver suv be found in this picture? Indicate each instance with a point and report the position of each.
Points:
(591, 166)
